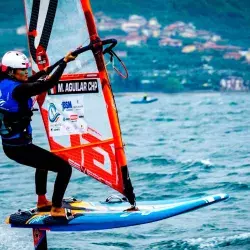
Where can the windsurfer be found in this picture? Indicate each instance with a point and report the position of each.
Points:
(145, 97)
(16, 90)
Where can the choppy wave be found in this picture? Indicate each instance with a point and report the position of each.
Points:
(242, 241)
(190, 156)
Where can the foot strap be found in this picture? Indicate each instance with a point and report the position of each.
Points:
(69, 215)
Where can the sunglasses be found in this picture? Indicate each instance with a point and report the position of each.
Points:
(23, 69)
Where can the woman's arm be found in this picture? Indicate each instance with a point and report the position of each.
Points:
(36, 76)
(46, 71)
(28, 89)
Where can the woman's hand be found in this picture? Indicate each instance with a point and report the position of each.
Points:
(69, 57)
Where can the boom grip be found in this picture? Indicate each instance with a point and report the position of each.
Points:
(113, 43)
(74, 53)
(81, 50)
(108, 41)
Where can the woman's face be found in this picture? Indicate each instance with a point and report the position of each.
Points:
(21, 75)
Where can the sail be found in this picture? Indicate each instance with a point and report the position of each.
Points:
(79, 113)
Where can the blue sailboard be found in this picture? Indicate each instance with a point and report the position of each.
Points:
(87, 216)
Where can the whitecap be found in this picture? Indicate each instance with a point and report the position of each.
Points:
(21, 30)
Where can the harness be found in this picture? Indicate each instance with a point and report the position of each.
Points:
(12, 123)
(15, 116)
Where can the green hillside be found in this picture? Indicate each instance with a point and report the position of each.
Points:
(229, 19)
(168, 68)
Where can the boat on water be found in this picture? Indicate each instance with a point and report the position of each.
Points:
(145, 99)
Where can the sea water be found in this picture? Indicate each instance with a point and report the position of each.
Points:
(183, 145)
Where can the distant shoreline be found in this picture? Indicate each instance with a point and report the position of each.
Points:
(140, 93)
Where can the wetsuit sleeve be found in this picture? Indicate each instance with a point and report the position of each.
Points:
(39, 74)
(36, 76)
(26, 90)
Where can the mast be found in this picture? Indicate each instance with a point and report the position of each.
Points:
(111, 106)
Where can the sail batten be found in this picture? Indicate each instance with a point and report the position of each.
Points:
(108, 141)
(79, 113)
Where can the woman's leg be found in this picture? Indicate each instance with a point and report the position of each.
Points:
(39, 158)
(41, 181)
(41, 188)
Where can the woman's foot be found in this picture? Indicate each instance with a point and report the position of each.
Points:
(61, 212)
(43, 202)
(57, 212)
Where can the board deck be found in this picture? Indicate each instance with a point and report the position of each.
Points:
(107, 215)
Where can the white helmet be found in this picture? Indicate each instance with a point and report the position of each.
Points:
(14, 60)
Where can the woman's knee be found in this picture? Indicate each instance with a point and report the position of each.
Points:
(66, 169)
(60, 166)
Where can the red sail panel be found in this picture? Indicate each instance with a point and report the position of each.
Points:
(79, 113)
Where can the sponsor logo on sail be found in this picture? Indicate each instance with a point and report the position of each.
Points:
(73, 117)
(53, 114)
(67, 105)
